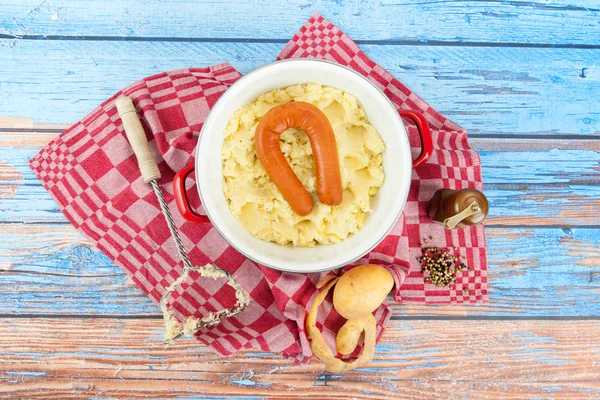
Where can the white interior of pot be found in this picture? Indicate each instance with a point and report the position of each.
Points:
(388, 202)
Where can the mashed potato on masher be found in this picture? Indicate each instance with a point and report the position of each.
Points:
(255, 200)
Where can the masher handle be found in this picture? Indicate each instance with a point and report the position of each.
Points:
(137, 138)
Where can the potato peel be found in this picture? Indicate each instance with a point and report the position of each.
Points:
(351, 333)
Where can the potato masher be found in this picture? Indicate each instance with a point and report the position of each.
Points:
(151, 174)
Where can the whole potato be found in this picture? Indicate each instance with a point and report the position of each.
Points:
(361, 290)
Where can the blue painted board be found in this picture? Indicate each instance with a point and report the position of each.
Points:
(525, 22)
(532, 272)
(533, 187)
(487, 90)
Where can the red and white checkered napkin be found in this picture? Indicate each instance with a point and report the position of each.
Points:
(93, 175)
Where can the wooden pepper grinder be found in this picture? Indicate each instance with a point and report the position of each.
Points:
(457, 209)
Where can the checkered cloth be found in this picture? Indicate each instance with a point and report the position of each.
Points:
(92, 173)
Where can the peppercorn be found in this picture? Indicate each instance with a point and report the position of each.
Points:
(439, 266)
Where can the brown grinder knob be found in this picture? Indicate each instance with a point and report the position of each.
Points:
(457, 209)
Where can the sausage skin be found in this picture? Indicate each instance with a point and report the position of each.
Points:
(314, 122)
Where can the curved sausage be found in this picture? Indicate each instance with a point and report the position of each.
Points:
(322, 140)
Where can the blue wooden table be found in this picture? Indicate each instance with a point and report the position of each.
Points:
(522, 76)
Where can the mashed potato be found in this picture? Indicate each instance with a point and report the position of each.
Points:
(255, 200)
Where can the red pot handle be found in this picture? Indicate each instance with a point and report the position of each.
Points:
(183, 204)
(424, 133)
(186, 211)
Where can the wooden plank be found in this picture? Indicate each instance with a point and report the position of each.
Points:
(10, 180)
(548, 22)
(13, 123)
(551, 182)
(55, 358)
(487, 90)
(52, 270)
(541, 205)
(569, 205)
(47, 267)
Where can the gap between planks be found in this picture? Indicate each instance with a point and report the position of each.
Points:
(384, 42)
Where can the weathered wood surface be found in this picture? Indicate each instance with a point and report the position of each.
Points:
(521, 76)
(548, 23)
(105, 358)
(485, 89)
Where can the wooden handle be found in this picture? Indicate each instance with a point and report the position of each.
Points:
(137, 138)
(467, 212)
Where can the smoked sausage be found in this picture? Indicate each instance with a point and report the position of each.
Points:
(314, 122)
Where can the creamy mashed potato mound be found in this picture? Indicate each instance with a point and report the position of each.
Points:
(255, 200)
